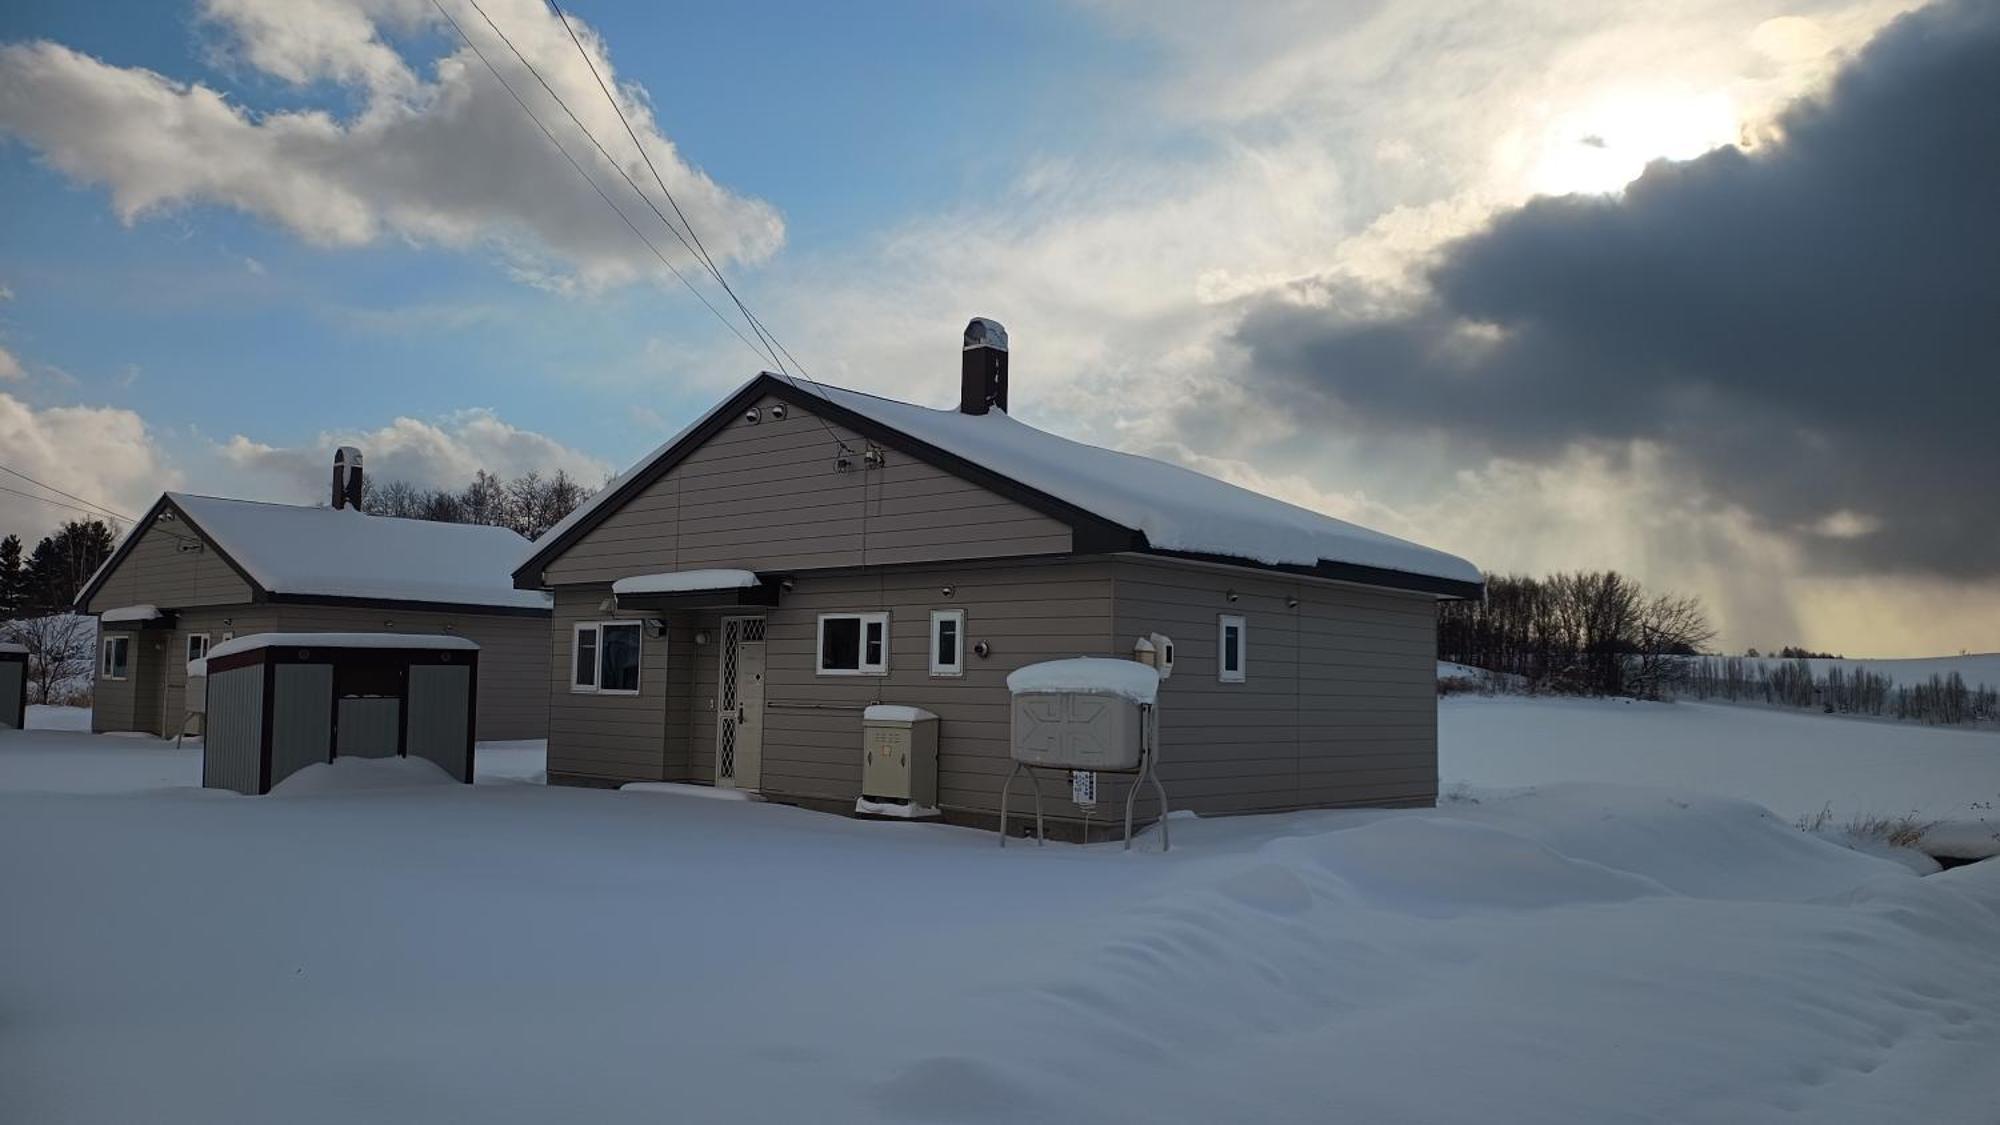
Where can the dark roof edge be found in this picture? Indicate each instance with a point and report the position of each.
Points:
(1382, 577)
(338, 600)
(144, 524)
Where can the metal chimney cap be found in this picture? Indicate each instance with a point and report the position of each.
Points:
(984, 333)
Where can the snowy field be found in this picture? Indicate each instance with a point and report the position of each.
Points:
(374, 943)
(1794, 763)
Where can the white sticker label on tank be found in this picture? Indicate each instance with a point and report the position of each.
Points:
(1083, 787)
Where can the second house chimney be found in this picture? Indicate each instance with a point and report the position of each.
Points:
(347, 478)
(982, 373)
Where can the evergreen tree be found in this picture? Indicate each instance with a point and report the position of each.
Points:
(63, 562)
(13, 589)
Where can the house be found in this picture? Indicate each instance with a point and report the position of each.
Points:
(198, 570)
(726, 609)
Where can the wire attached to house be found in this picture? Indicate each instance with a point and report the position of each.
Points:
(100, 510)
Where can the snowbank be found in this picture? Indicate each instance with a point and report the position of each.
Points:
(685, 582)
(1575, 954)
(1127, 679)
(361, 775)
(1796, 764)
(682, 789)
(438, 642)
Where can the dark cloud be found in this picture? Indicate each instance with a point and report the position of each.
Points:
(1811, 328)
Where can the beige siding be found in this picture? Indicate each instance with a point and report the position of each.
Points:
(768, 497)
(157, 572)
(619, 737)
(219, 623)
(812, 728)
(513, 656)
(1339, 701)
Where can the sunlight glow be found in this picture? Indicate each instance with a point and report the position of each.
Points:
(1604, 144)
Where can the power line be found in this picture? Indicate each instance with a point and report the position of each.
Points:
(699, 248)
(91, 512)
(71, 495)
(696, 248)
(587, 178)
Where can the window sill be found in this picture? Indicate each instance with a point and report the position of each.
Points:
(848, 673)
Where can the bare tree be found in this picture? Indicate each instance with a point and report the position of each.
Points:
(59, 650)
(1671, 628)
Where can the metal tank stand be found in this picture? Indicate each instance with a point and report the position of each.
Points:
(1148, 770)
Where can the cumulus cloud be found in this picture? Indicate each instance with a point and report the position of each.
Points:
(105, 455)
(1803, 330)
(438, 153)
(10, 368)
(441, 454)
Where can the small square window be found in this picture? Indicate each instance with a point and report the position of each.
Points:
(605, 657)
(853, 644)
(947, 642)
(1232, 649)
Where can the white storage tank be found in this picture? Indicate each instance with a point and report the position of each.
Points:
(1088, 713)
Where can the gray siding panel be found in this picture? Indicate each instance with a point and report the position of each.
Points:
(436, 726)
(768, 497)
(513, 656)
(13, 686)
(301, 718)
(231, 756)
(367, 727)
(1338, 707)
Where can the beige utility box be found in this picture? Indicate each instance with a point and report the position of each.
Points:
(899, 755)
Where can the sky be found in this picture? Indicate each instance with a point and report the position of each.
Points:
(1701, 291)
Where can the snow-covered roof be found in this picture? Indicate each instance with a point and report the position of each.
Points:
(327, 552)
(1094, 675)
(430, 642)
(1176, 508)
(685, 582)
(11, 647)
(130, 613)
(894, 713)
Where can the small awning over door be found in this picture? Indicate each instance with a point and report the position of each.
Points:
(696, 589)
(137, 617)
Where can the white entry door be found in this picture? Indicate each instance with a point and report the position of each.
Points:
(739, 718)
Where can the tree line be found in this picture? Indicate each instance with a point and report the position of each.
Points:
(530, 504)
(1941, 699)
(1582, 632)
(48, 579)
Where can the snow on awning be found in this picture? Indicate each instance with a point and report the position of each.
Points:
(686, 582)
(431, 641)
(131, 614)
(13, 649)
(694, 589)
(894, 713)
(1094, 675)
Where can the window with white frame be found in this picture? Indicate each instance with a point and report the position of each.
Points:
(604, 657)
(197, 646)
(853, 644)
(117, 661)
(947, 642)
(1232, 653)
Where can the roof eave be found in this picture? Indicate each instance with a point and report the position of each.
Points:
(1445, 589)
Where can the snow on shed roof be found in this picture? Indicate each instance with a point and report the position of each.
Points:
(291, 549)
(11, 647)
(1177, 508)
(429, 642)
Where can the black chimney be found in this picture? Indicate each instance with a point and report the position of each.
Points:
(982, 373)
(347, 478)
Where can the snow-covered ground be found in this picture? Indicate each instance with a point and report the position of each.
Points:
(1794, 763)
(375, 943)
